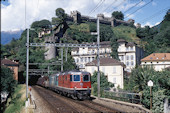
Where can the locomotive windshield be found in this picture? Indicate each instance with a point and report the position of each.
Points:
(76, 77)
(85, 78)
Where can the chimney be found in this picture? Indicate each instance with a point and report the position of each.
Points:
(164, 55)
(154, 54)
(5, 57)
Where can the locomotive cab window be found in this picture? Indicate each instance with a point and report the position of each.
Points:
(76, 77)
(86, 78)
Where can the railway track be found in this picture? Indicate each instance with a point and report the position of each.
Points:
(62, 104)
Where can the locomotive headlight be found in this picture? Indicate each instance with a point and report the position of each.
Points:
(75, 87)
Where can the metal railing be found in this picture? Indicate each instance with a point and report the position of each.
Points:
(124, 96)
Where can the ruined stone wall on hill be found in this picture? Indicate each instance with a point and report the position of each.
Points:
(75, 16)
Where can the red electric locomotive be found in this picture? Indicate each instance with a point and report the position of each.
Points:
(76, 84)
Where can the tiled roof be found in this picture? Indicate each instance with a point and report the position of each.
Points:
(8, 62)
(157, 57)
(130, 44)
(121, 40)
(105, 62)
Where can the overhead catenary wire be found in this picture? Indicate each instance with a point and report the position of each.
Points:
(154, 15)
(133, 6)
(139, 8)
(109, 5)
(95, 7)
(98, 7)
(25, 13)
(118, 5)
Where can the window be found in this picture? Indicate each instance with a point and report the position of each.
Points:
(76, 77)
(93, 51)
(114, 80)
(77, 60)
(131, 57)
(81, 66)
(92, 58)
(120, 57)
(131, 48)
(132, 63)
(127, 63)
(114, 69)
(85, 59)
(127, 49)
(88, 59)
(81, 59)
(127, 57)
(70, 77)
(85, 78)
(66, 78)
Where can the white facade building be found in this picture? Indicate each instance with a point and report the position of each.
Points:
(85, 55)
(111, 68)
(159, 61)
(129, 53)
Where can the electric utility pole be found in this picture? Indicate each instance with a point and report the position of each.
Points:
(98, 57)
(27, 66)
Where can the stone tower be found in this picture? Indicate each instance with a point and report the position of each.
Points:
(76, 16)
(50, 50)
(100, 16)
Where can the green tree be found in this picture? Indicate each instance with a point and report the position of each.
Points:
(41, 24)
(114, 46)
(118, 15)
(138, 83)
(8, 83)
(60, 13)
(167, 16)
(104, 84)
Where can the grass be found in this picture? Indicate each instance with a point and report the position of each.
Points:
(127, 32)
(17, 102)
(81, 27)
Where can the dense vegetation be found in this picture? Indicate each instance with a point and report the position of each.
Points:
(157, 40)
(17, 102)
(160, 90)
(104, 84)
(7, 81)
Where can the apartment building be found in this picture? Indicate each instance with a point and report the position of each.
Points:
(112, 69)
(129, 53)
(85, 55)
(159, 61)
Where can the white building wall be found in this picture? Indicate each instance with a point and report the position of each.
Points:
(114, 73)
(128, 51)
(86, 55)
(157, 65)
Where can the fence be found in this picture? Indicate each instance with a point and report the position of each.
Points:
(124, 96)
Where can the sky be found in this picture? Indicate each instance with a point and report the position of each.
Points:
(20, 14)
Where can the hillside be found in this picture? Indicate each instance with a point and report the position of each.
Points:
(126, 32)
